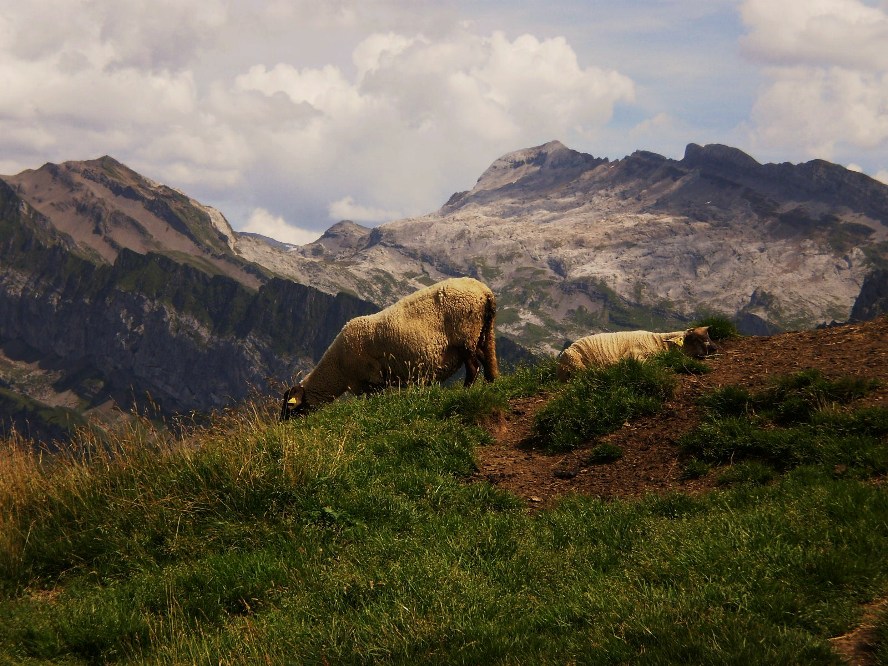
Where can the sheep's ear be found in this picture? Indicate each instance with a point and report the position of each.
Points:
(676, 342)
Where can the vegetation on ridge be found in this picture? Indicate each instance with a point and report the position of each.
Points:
(358, 535)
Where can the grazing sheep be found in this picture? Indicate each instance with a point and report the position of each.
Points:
(608, 348)
(422, 338)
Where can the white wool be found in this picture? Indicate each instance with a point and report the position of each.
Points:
(604, 349)
(424, 337)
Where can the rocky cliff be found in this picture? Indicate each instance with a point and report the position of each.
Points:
(873, 298)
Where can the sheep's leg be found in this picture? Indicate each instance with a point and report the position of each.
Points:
(487, 344)
(472, 368)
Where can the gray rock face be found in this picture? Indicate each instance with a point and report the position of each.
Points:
(573, 244)
(873, 298)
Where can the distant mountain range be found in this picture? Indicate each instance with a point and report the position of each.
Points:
(572, 244)
(114, 288)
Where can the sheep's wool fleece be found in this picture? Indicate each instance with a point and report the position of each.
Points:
(419, 338)
(608, 348)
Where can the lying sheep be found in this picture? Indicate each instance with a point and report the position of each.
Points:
(608, 348)
(422, 338)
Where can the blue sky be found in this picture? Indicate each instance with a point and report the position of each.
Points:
(289, 115)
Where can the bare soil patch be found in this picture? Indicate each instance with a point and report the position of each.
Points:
(857, 646)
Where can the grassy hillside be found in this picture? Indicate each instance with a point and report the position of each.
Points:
(359, 535)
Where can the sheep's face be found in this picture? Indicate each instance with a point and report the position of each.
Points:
(697, 342)
(293, 403)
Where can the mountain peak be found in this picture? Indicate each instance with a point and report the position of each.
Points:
(537, 167)
(105, 161)
(104, 206)
(716, 153)
(344, 235)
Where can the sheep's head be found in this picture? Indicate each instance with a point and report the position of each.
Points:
(294, 403)
(696, 342)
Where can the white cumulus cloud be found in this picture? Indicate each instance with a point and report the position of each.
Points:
(273, 226)
(819, 33)
(289, 105)
(419, 115)
(347, 209)
(347, 109)
(826, 77)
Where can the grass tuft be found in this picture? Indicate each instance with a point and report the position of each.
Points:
(796, 421)
(599, 400)
(720, 327)
(604, 453)
(679, 362)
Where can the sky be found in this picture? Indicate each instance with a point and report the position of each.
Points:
(291, 115)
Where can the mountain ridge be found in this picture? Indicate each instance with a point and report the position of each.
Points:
(80, 336)
(574, 243)
(103, 206)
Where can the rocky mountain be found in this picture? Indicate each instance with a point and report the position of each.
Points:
(102, 206)
(125, 293)
(574, 244)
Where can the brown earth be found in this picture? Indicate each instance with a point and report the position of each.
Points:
(651, 460)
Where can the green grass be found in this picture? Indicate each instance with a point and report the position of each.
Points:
(720, 327)
(599, 400)
(355, 536)
(880, 638)
(677, 361)
(798, 420)
(604, 453)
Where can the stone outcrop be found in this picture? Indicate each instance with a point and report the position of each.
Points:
(873, 298)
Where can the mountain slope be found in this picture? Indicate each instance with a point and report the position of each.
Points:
(573, 244)
(113, 286)
(170, 329)
(103, 206)
(652, 461)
